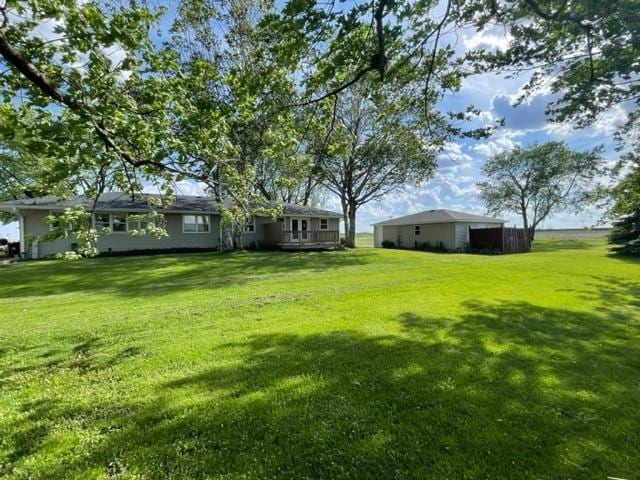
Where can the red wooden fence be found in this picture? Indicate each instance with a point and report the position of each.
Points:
(503, 239)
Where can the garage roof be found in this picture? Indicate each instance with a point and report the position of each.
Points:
(440, 216)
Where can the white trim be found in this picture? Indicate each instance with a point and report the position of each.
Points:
(21, 233)
(93, 220)
(53, 212)
(196, 215)
(136, 224)
(320, 223)
(246, 225)
(306, 232)
(126, 223)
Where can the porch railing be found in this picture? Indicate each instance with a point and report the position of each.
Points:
(310, 236)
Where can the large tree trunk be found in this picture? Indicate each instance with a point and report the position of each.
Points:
(525, 224)
(345, 216)
(351, 231)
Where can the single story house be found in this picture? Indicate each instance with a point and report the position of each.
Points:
(191, 222)
(437, 227)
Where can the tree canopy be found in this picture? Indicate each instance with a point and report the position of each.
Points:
(375, 145)
(538, 180)
(244, 97)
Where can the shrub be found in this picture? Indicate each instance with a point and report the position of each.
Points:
(67, 256)
(428, 247)
(626, 235)
(483, 248)
(388, 244)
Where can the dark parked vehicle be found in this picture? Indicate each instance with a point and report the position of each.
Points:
(14, 249)
(9, 249)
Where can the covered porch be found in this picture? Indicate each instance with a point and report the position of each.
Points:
(309, 239)
(304, 232)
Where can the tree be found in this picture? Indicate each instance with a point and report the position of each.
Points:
(373, 147)
(115, 110)
(626, 210)
(539, 180)
(585, 51)
(253, 83)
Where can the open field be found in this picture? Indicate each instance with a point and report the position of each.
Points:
(580, 233)
(364, 239)
(369, 363)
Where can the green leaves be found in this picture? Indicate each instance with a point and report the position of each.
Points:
(587, 53)
(538, 180)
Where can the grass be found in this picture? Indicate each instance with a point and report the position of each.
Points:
(358, 364)
(364, 239)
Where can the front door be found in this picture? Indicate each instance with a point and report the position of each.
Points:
(299, 228)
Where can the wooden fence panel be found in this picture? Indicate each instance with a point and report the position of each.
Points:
(505, 240)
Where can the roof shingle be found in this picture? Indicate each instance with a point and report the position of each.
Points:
(439, 216)
(123, 201)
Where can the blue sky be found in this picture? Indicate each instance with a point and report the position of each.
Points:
(460, 164)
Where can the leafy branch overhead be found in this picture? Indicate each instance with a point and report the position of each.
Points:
(248, 97)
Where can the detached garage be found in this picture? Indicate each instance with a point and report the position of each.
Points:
(446, 227)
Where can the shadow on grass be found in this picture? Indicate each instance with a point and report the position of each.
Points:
(615, 293)
(509, 390)
(625, 258)
(156, 275)
(86, 355)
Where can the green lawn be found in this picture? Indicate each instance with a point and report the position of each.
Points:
(364, 239)
(355, 364)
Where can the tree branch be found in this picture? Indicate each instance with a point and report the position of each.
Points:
(547, 16)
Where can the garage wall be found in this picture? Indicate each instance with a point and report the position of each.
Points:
(404, 235)
(378, 235)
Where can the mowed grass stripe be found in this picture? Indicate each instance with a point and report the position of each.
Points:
(358, 364)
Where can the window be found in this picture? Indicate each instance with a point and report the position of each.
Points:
(57, 223)
(195, 223)
(250, 226)
(119, 223)
(416, 229)
(101, 221)
(139, 223)
(114, 222)
(324, 224)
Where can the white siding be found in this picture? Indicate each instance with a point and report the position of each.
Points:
(34, 225)
(378, 235)
(404, 235)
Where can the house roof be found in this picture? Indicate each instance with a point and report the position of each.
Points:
(439, 216)
(118, 201)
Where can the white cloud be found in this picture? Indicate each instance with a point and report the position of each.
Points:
(453, 152)
(493, 38)
(503, 140)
